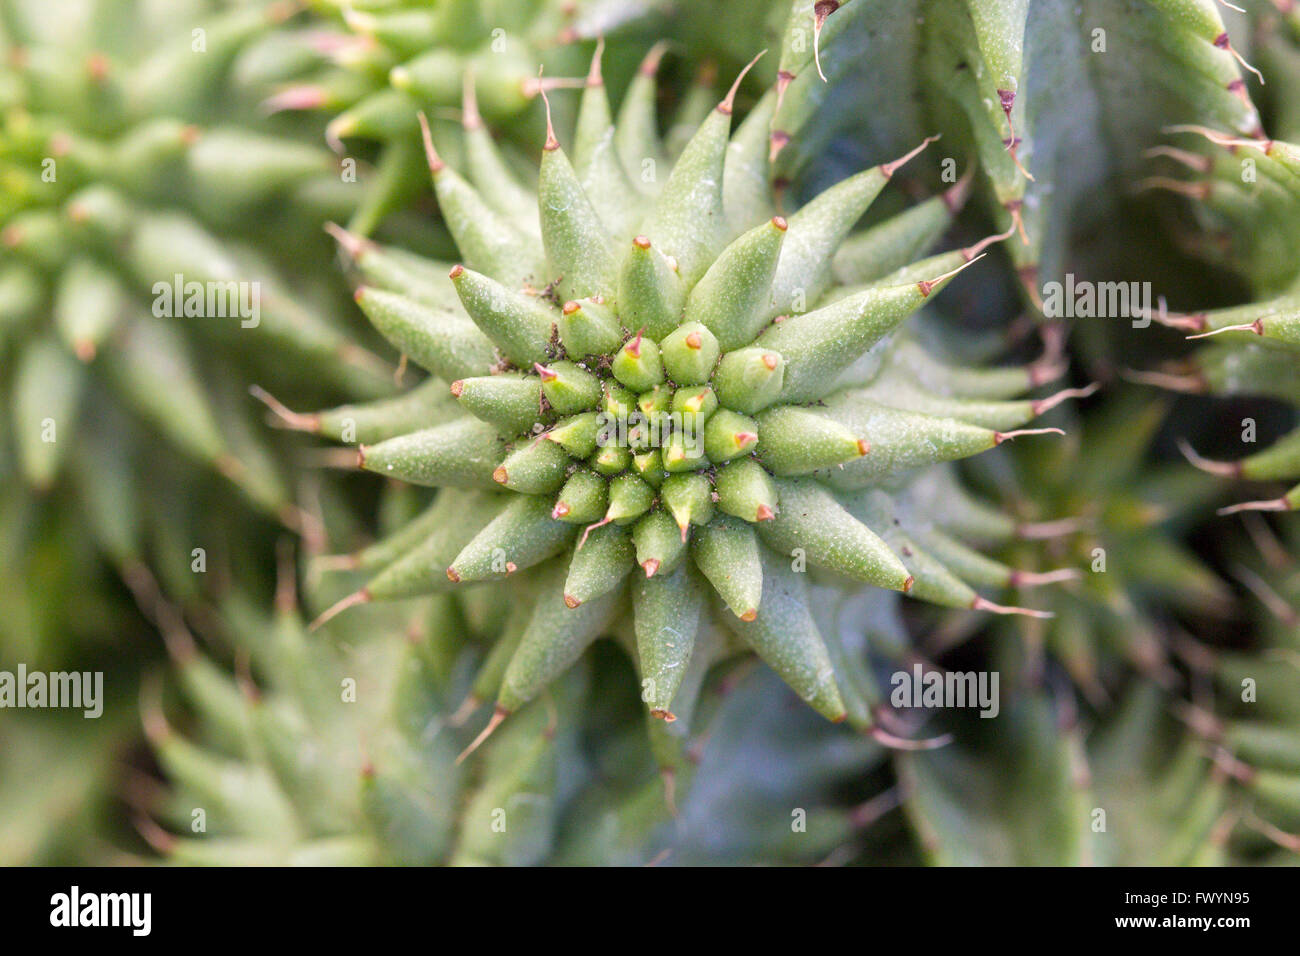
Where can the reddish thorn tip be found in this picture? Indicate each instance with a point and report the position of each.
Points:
(436, 165)
(352, 600)
(1041, 405)
(729, 101)
(551, 143)
(882, 736)
(498, 715)
(650, 63)
(1272, 504)
(1000, 437)
(1225, 469)
(888, 169)
(352, 244)
(594, 77)
(984, 604)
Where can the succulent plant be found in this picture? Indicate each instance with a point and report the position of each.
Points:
(1245, 201)
(109, 177)
(1058, 99)
(1043, 789)
(130, 153)
(133, 165)
(664, 396)
(1117, 526)
(373, 66)
(683, 422)
(1243, 704)
(340, 748)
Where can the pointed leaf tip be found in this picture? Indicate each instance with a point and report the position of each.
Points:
(926, 286)
(291, 419)
(893, 742)
(1029, 579)
(594, 77)
(1224, 469)
(352, 600)
(498, 715)
(1257, 327)
(351, 244)
(971, 253)
(955, 196)
(984, 604)
(1272, 504)
(1041, 405)
(470, 119)
(888, 169)
(650, 62)
(729, 101)
(436, 165)
(1000, 437)
(551, 143)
